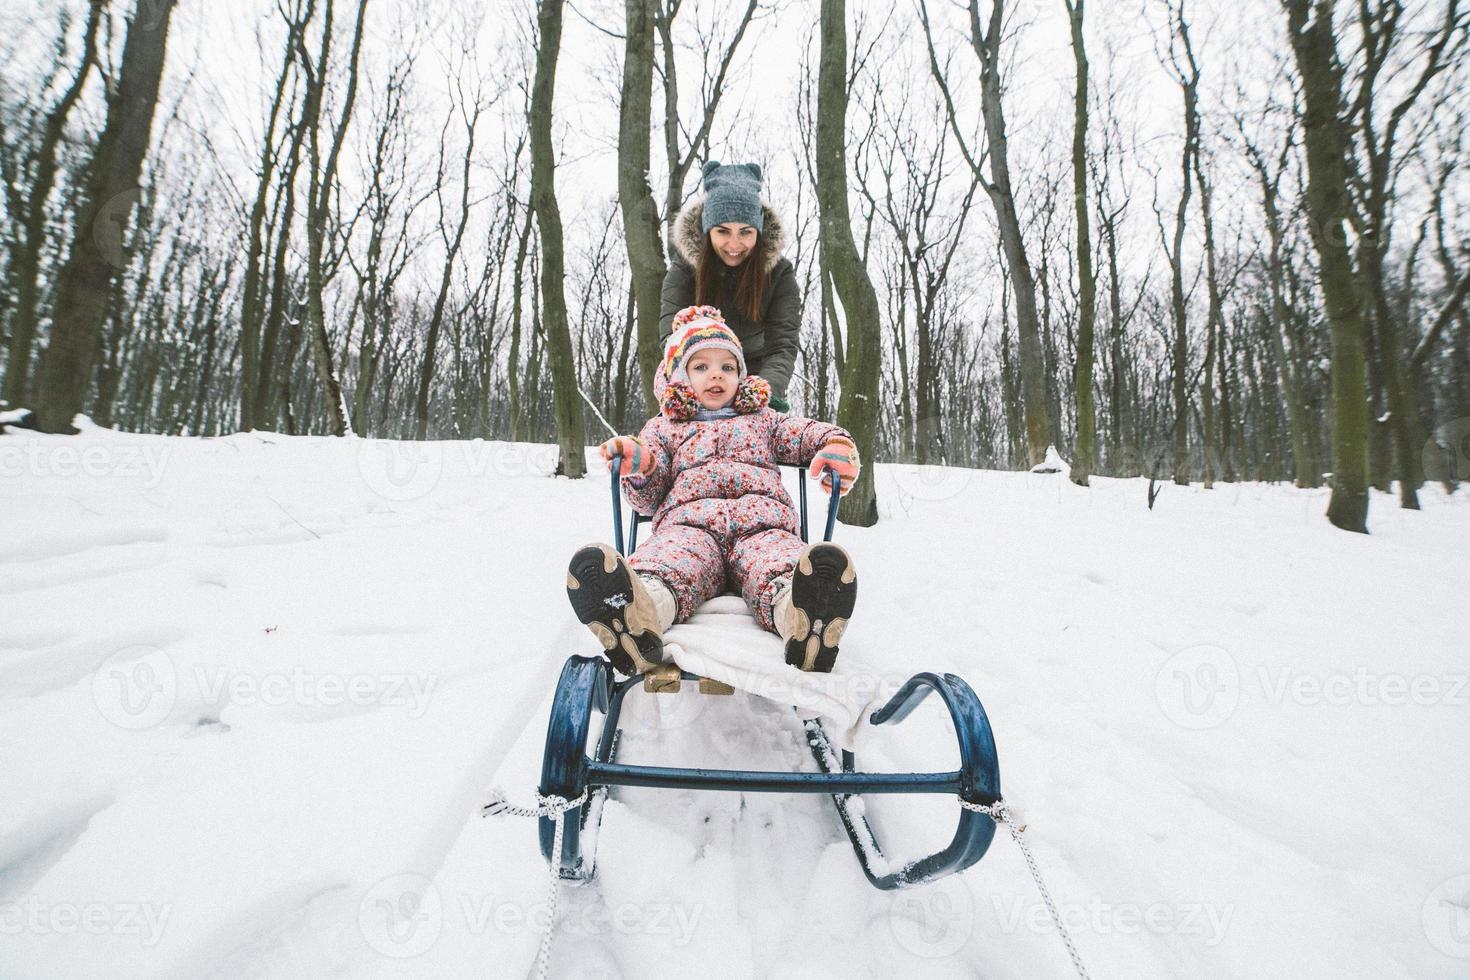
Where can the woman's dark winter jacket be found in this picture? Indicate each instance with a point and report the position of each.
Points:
(771, 343)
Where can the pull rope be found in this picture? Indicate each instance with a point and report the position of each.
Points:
(547, 806)
(1000, 812)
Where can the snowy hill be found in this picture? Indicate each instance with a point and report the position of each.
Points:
(253, 691)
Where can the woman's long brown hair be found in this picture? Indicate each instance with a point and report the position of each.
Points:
(750, 287)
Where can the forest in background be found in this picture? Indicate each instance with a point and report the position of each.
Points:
(1169, 240)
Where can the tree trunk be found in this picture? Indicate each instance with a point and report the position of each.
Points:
(1179, 359)
(519, 426)
(1327, 205)
(635, 196)
(26, 263)
(253, 291)
(451, 255)
(567, 401)
(1214, 326)
(323, 179)
(1085, 456)
(858, 409)
(85, 281)
(269, 391)
(1033, 380)
(1119, 415)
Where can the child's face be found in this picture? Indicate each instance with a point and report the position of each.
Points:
(714, 375)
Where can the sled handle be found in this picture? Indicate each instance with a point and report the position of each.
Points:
(832, 502)
(615, 464)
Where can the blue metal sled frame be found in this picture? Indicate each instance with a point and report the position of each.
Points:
(588, 684)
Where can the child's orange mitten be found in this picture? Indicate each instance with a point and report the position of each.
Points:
(635, 459)
(841, 456)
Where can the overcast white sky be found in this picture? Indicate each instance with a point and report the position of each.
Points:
(217, 72)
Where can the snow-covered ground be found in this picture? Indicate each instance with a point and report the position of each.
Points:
(253, 692)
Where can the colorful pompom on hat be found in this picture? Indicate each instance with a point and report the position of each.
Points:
(699, 328)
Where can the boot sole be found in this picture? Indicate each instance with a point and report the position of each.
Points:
(823, 593)
(607, 596)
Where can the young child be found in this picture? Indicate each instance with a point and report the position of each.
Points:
(706, 469)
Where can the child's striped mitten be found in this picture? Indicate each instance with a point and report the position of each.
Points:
(838, 454)
(636, 459)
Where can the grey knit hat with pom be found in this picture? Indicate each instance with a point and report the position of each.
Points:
(732, 193)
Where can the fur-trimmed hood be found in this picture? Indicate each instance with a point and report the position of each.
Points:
(688, 236)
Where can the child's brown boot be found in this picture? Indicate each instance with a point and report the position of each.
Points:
(617, 608)
(812, 613)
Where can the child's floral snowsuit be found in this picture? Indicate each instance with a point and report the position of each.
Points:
(719, 510)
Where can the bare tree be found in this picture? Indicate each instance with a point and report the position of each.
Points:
(85, 282)
(1382, 28)
(1085, 457)
(1269, 168)
(1187, 77)
(390, 246)
(858, 409)
(568, 405)
(640, 215)
(322, 181)
(469, 109)
(253, 294)
(985, 40)
(1310, 28)
(29, 204)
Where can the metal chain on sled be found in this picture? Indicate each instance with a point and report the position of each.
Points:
(1000, 812)
(548, 806)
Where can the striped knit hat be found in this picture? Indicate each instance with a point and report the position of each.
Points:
(698, 328)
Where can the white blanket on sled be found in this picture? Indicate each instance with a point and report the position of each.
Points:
(723, 642)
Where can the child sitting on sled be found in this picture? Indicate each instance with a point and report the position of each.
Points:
(706, 468)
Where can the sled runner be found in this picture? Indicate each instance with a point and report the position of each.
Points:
(587, 684)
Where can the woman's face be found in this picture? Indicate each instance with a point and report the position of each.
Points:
(714, 375)
(732, 241)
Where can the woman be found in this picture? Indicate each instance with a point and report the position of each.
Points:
(728, 247)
